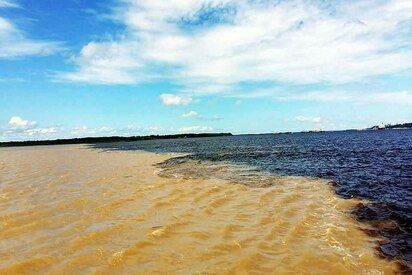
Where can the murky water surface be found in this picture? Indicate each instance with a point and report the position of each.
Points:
(69, 209)
(371, 165)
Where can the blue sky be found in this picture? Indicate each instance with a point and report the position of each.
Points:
(95, 68)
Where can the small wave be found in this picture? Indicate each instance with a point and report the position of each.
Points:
(378, 216)
(212, 218)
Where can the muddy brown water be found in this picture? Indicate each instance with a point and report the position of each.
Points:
(70, 209)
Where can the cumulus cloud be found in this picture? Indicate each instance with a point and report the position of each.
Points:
(294, 41)
(18, 128)
(171, 99)
(15, 43)
(190, 114)
(19, 123)
(313, 119)
(35, 131)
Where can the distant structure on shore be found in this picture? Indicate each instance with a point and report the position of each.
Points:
(390, 126)
(381, 126)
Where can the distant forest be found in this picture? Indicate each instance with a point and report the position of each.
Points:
(89, 140)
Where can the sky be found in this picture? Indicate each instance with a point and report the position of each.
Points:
(80, 68)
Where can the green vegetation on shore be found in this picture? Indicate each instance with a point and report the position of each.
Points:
(89, 140)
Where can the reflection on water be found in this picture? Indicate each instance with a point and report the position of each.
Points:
(71, 209)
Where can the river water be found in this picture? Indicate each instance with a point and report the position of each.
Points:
(73, 209)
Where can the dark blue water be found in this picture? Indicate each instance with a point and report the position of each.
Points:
(375, 165)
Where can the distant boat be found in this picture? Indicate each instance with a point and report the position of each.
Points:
(381, 126)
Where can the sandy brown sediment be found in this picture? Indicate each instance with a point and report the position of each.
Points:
(71, 209)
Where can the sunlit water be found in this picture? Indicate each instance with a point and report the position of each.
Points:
(69, 209)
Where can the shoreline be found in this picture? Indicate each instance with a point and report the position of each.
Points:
(109, 139)
(123, 207)
(115, 139)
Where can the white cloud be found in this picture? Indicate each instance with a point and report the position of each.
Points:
(396, 97)
(35, 131)
(22, 129)
(314, 119)
(196, 115)
(190, 114)
(15, 43)
(194, 129)
(257, 93)
(105, 63)
(18, 128)
(170, 99)
(105, 129)
(216, 118)
(154, 129)
(295, 42)
(84, 131)
(17, 122)
(8, 4)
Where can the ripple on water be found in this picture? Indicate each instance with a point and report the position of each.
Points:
(218, 221)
